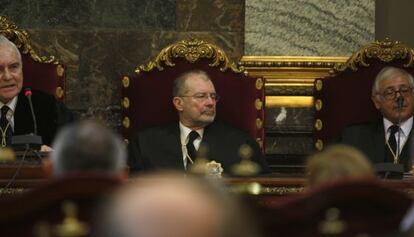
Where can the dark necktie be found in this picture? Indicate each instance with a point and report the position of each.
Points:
(392, 144)
(191, 151)
(6, 130)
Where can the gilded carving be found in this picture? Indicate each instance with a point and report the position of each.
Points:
(319, 85)
(319, 145)
(318, 104)
(125, 82)
(332, 224)
(259, 104)
(259, 83)
(385, 51)
(60, 70)
(126, 122)
(125, 102)
(22, 40)
(192, 50)
(318, 124)
(259, 123)
(59, 92)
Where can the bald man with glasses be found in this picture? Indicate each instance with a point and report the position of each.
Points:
(174, 146)
(387, 140)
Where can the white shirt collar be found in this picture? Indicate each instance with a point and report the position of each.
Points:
(405, 126)
(11, 104)
(184, 131)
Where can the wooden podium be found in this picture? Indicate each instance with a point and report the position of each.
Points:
(25, 172)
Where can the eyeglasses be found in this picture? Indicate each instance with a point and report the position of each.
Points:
(203, 96)
(391, 93)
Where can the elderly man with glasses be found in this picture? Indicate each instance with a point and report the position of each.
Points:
(387, 140)
(174, 146)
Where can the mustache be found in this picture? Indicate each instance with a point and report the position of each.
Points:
(208, 111)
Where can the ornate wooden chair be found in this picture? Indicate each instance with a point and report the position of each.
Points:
(42, 73)
(146, 95)
(349, 207)
(344, 97)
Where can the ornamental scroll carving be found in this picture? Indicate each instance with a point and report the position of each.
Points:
(385, 51)
(22, 40)
(192, 50)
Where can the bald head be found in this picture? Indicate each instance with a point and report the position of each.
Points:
(171, 205)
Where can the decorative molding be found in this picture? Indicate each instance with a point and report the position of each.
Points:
(125, 102)
(22, 40)
(259, 123)
(318, 104)
(125, 81)
(318, 124)
(281, 190)
(126, 122)
(291, 61)
(319, 85)
(59, 92)
(319, 145)
(258, 104)
(385, 51)
(259, 83)
(289, 90)
(192, 50)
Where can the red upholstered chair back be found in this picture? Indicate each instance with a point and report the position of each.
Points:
(47, 206)
(147, 95)
(344, 208)
(41, 73)
(344, 98)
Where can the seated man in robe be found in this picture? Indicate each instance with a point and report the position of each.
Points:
(175, 145)
(15, 116)
(387, 140)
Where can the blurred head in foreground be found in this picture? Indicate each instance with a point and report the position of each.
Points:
(87, 146)
(337, 162)
(171, 205)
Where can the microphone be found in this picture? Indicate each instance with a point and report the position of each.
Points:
(31, 140)
(28, 94)
(400, 103)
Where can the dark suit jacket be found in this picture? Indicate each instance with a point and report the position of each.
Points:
(370, 138)
(50, 115)
(160, 147)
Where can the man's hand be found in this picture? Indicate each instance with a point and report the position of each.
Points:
(45, 148)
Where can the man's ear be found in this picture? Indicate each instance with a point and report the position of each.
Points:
(178, 103)
(376, 101)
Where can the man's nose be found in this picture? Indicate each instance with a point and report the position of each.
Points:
(7, 75)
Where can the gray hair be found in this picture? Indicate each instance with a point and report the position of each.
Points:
(389, 73)
(179, 82)
(4, 41)
(87, 146)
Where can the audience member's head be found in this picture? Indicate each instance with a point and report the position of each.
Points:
(337, 162)
(87, 146)
(392, 83)
(11, 70)
(194, 97)
(171, 205)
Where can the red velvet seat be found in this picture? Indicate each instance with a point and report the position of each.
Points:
(47, 206)
(41, 73)
(344, 97)
(344, 208)
(147, 95)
